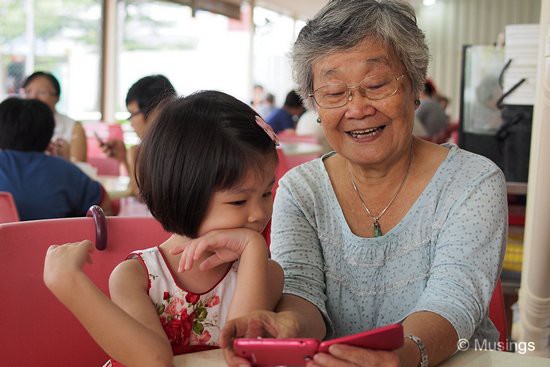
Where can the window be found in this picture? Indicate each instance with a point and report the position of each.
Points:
(59, 36)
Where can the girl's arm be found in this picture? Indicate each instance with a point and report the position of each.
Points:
(125, 339)
(130, 165)
(259, 281)
(78, 144)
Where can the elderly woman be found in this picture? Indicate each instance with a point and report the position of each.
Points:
(388, 228)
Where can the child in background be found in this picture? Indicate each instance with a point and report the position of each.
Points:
(143, 101)
(42, 186)
(205, 170)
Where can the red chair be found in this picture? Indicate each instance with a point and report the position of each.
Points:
(8, 210)
(497, 314)
(37, 330)
(105, 166)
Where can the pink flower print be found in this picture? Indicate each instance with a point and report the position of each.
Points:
(202, 339)
(174, 307)
(268, 130)
(213, 301)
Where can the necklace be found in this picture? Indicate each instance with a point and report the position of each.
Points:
(375, 218)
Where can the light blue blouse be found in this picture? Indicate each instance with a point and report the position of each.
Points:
(444, 256)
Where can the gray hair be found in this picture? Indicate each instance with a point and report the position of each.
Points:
(342, 24)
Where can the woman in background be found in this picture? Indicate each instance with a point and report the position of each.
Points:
(69, 137)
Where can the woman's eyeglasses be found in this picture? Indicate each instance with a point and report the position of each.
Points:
(374, 87)
(134, 114)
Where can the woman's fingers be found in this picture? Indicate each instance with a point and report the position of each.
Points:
(344, 355)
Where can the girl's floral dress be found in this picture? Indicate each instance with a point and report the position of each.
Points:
(191, 321)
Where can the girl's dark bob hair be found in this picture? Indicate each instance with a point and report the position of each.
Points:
(199, 144)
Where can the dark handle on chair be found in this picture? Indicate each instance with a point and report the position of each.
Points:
(100, 226)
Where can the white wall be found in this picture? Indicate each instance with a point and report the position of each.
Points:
(450, 24)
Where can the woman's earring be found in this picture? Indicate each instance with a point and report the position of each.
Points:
(318, 120)
(417, 102)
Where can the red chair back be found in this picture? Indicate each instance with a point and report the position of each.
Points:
(8, 210)
(37, 330)
(497, 313)
(105, 166)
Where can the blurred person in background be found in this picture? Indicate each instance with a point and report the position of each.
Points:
(267, 106)
(284, 118)
(430, 113)
(142, 101)
(43, 186)
(69, 137)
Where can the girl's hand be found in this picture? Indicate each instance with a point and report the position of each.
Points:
(264, 324)
(344, 355)
(226, 245)
(63, 261)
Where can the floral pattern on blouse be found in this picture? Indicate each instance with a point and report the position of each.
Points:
(184, 317)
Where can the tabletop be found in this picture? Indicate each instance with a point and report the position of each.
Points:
(470, 358)
(116, 186)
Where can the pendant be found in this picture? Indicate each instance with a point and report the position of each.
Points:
(377, 229)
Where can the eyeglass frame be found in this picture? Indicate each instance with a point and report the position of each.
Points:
(352, 87)
(134, 114)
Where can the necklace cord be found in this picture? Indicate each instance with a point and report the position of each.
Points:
(376, 218)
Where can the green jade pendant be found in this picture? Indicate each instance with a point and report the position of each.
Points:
(377, 229)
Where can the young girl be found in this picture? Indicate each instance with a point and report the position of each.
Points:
(205, 170)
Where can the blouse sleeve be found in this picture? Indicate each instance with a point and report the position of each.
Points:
(468, 255)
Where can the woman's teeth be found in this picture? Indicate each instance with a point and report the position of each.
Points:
(365, 133)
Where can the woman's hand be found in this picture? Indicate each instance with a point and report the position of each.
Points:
(114, 149)
(59, 148)
(63, 261)
(264, 324)
(341, 355)
(226, 245)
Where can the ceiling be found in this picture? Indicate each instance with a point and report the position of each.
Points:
(302, 9)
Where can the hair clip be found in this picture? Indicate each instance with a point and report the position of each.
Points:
(268, 130)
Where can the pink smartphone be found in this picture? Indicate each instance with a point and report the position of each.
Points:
(276, 352)
(388, 337)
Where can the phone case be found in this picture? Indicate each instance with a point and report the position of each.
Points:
(296, 352)
(384, 338)
(276, 352)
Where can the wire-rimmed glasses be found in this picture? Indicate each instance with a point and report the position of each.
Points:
(375, 87)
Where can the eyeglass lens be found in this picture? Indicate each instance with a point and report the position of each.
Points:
(373, 87)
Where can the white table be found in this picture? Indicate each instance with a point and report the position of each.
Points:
(116, 186)
(470, 358)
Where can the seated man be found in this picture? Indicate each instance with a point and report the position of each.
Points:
(284, 119)
(42, 186)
